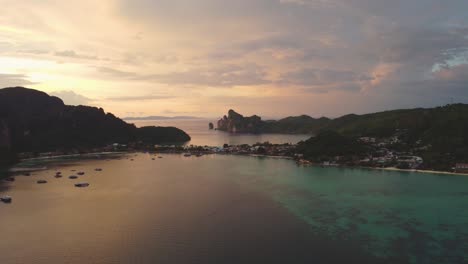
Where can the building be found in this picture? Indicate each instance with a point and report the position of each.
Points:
(412, 162)
(461, 167)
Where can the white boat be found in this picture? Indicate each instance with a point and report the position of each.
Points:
(6, 199)
(82, 184)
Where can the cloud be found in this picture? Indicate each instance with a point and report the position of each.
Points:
(34, 51)
(75, 55)
(214, 76)
(218, 76)
(313, 3)
(11, 80)
(140, 98)
(326, 80)
(368, 54)
(310, 76)
(110, 72)
(458, 73)
(72, 98)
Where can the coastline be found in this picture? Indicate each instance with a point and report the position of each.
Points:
(351, 167)
(72, 155)
(242, 154)
(421, 171)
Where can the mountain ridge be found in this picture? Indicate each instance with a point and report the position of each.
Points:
(33, 121)
(364, 125)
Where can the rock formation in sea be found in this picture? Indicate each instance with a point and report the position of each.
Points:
(237, 123)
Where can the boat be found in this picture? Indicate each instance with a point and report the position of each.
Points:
(58, 175)
(98, 169)
(6, 199)
(73, 177)
(41, 181)
(153, 159)
(187, 155)
(27, 174)
(199, 154)
(10, 179)
(82, 184)
(159, 157)
(81, 173)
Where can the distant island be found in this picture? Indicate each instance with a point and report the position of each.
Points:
(432, 138)
(34, 122)
(234, 122)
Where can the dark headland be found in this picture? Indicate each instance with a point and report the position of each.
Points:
(32, 121)
(424, 138)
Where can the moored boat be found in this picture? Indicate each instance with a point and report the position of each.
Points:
(6, 199)
(82, 184)
(73, 177)
(41, 181)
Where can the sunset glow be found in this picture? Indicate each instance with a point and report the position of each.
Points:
(200, 58)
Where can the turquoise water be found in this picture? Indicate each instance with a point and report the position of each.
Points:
(414, 217)
(216, 209)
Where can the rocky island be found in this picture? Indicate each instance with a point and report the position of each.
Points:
(32, 121)
(237, 123)
(234, 122)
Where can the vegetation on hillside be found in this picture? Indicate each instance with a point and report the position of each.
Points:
(439, 135)
(32, 121)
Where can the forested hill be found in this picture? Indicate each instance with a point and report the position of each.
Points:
(439, 135)
(450, 120)
(32, 121)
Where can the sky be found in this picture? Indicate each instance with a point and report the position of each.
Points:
(269, 57)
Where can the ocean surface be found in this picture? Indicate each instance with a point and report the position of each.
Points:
(201, 135)
(230, 209)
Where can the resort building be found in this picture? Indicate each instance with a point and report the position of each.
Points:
(461, 167)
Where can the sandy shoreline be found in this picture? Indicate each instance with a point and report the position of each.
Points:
(420, 171)
(258, 156)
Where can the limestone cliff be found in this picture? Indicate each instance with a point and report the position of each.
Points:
(237, 123)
